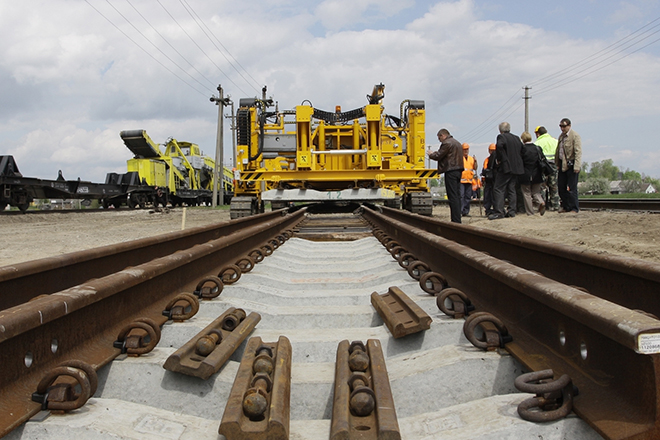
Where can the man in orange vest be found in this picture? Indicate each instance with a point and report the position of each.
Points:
(469, 171)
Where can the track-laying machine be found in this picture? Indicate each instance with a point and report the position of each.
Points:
(183, 173)
(311, 155)
(179, 175)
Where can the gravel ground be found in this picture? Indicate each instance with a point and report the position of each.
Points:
(29, 237)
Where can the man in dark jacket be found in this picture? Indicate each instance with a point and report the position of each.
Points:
(450, 162)
(488, 179)
(508, 166)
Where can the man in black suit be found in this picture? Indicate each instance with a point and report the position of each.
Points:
(508, 166)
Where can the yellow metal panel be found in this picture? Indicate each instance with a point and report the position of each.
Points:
(416, 139)
(304, 113)
(304, 159)
(372, 112)
(373, 159)
(151, 171)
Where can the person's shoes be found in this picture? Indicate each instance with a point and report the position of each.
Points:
(467, 215)
(495, 217)
(562, 210)
(510, 214)
(542, 208)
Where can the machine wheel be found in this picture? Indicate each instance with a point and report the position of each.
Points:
(393, 203)
(274, 206)
(244, 206)
(419, 203)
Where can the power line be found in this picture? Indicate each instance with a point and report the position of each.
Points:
(487, 124)
(592, 66)
(575, 77)
(502, 116)
(585, 60)
(147, 52)
(200, 48)
(169, 44)
(150, 42)
(256, 84)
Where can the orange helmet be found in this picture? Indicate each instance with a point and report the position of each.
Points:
(491, 147)
(466, 146)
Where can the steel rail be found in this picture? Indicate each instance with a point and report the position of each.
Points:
(69, 211)
(83, 321)
(21, 282)
(652, 205)
(649, 205)
(596, 342)
(630, 282)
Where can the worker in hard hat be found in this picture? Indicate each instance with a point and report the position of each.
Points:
(488, 179)
(469, 171)
(549, 145)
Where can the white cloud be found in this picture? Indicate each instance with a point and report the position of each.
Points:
(626, 12)
(74, 81)
(342, 14)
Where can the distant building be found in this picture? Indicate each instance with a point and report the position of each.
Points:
(619, 187)
(648, 188)
(616, 187)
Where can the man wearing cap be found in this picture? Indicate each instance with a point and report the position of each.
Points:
(487, 179)
(469, 171)
(549, 145)
(508, 166)
(450, 162)
(568, 158)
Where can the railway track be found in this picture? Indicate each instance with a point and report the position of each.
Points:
(649, 205)
(645, 205)
(320, 303)
(70, 211)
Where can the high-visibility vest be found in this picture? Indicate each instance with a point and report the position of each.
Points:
(470, 165)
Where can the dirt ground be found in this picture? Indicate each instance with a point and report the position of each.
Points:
(33, 236)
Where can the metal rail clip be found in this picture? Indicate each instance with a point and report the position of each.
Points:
(208, 351)
(258, 405)
(400, 313)
(363, 407)
(56, 393)
(553, 400)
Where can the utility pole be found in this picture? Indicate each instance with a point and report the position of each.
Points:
(220, 101)
(527, 98)
(232, 127)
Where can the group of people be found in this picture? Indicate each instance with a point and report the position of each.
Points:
(514, 163)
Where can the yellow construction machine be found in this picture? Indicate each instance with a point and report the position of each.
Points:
(181, 172)
(311, 155)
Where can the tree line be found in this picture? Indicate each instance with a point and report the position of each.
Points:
(598, 175)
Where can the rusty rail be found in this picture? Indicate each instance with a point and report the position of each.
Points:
(400, 313)
(609, 351)
(626, 281)
(21, 282)
(83, 321)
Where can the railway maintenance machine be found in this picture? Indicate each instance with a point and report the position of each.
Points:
(311, 155)
(181, 172)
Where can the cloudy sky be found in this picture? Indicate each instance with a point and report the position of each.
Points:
(74, 73)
